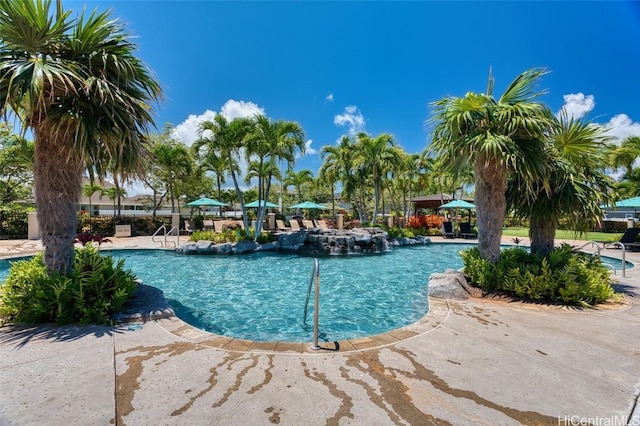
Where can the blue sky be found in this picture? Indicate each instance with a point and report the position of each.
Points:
(340, 67)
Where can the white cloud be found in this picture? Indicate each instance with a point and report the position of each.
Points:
(329, 97)
(234, 109)
(187, 131)
(352, 118)
(620, 127)
(577, 105)
(307, 148)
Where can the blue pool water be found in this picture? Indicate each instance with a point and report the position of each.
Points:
(261, 296)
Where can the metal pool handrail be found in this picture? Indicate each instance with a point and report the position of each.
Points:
(616, 243)
(166, 234)
(315, 273)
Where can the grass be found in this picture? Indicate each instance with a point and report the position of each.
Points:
(566, 235)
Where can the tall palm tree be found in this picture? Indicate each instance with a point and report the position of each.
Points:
(272, 142)
(212, 161)
(626, 154)
(297, 180)
(227, 139)
(337, 167)
(175, 163)
(88, 190)
(572, 188)
(76, 83)
(497, 138)
(378, 156)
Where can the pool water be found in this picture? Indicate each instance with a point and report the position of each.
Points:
(261, 296)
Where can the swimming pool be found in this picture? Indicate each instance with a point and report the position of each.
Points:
(261, 296)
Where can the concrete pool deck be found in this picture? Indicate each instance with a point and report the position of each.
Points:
(468, 362)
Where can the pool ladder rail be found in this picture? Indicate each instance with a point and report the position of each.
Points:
(315, 274)
(598, 251)
(173, 232)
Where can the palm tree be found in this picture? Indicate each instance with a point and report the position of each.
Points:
(378, 156)
(114, 193)
(175, 163)
(212, 161)
(227, 138)
(626, 154)
(334, 167)
(272, 142)
(297, 180)
(88, 190)
(573, 186)
(78, 86)
(497, 138)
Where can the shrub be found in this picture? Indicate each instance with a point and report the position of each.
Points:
(396, 232)
(97, 287)
(564, 276)
(425, 221)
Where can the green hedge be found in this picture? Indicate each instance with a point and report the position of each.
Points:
(564, 276)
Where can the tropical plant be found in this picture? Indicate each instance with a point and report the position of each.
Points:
(562, 276)
(497, 138)
(16, 166)
(76, 83)
(269, 143)
(175, 164)
(572, 188)
(88, 189)
(226, 139)
(378, 156)
(95, 288)
(297, 180)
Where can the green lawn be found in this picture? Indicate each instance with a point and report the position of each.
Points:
(566, 235)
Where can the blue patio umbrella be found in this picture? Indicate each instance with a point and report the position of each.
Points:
(309, 205)
(457, 204)
(206, 202)
(254, 204)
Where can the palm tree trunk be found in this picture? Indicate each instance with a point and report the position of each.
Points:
(58, 185)
(333, 201)
(491, 204)
(542, 232)
(245, 220)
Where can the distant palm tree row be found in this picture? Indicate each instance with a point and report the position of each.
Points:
(76, 83)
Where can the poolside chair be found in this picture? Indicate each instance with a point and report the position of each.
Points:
(320, 223)
(295, 226)
(218, 226)
(628, 239)
(207, 224)
(466, 231)
(280, 225)
(308, 223)
(447, 230)
(189, 227)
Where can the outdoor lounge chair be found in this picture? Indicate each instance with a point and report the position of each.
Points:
(280, 225)
(466, 231)
(320, 223)
(628, 239)
(308, 223)
(295, 226)
(207, 224)
(218, 226)
(189, 227)
(447, 230)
